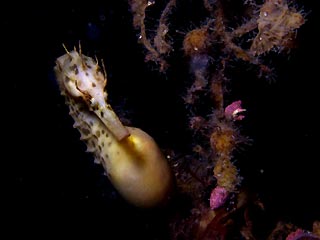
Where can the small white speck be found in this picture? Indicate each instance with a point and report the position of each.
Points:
(151, 2)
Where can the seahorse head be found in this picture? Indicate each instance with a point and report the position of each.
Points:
(82, 77)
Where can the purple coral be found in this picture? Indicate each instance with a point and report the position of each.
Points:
(301, 234)
(218, 197)
(234, 110)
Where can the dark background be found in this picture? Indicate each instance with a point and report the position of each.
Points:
(52, 187)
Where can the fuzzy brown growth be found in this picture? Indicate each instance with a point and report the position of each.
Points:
(223, 139)
(223, 142)
(196, 41)
(316, 228)
(138, 7)
(217, 88)
(198, 86)
(213, 47)
(162, 45)
(158, 47)
(276, 25)
(226, 174)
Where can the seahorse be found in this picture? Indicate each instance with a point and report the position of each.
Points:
(131, 158)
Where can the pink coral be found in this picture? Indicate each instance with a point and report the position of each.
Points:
(295, 234)
(301, 234)
(234, 110)
(218, 197)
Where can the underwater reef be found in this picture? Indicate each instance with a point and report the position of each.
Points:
(168, 119)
